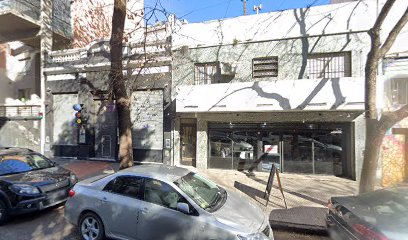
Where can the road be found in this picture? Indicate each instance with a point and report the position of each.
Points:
(51, 225)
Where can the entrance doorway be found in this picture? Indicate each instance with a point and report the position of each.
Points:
(105, 130)
(188, 139)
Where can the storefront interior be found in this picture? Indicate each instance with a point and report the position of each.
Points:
(312, 148)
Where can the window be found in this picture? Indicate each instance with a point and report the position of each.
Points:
(24, 94)
(399, 90)
(329, 65)
(162, 194)
(16, 163)
(207, 73)
(125, 185)
(265, 67)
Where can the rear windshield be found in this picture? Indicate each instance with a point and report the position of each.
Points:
(18, 163)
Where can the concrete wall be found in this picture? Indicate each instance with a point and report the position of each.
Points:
(293, 23)
(292, 57)
(24, 133)
(21, 72)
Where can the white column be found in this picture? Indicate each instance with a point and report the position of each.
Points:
(202, 144)
(46, 46)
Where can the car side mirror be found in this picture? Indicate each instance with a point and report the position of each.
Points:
(183, 207)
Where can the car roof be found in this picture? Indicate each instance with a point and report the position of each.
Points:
(14, 150)
(157, 171)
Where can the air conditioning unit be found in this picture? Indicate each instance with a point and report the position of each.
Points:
(228, 69)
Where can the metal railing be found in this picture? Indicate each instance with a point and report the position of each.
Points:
(30, 8)
(20, 111)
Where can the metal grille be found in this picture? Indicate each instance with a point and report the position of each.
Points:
(55, 186)
(329, 65)
(20, 111)
(265, 67)
(207, 73)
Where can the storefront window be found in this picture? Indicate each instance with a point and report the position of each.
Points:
(316, 150)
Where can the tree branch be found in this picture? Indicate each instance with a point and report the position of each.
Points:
(383, 14)
(393, 34)
(389, 119)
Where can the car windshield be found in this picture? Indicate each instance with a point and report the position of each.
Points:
(203, 192)
(18, 163)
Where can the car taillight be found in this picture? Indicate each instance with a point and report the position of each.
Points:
(71, 193)
(368, 233)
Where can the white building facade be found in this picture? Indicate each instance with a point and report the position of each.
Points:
(282, 87)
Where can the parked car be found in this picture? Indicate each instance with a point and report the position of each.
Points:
(224, 147)
(162, 202)
(29, 182)
(378, 215)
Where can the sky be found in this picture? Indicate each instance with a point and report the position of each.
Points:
(205, 10)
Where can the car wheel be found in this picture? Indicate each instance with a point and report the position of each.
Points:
(91, 227)
(3, 212)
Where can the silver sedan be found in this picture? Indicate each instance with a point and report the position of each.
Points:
(162, 202)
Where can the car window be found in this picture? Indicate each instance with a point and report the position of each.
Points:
(201, 190)
(17, 163)
(129, 186)
(162, 194)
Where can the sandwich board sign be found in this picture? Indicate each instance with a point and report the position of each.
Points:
(274, 171)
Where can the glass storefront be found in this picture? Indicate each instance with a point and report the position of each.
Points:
(303, 148)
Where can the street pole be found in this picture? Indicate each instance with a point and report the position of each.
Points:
(244, 1)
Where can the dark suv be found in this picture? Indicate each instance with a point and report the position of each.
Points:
(29, 182)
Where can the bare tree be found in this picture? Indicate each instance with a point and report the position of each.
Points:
(91, 21)
(376, 128)
(118, 85)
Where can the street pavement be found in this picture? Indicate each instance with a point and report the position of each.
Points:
(50, 223)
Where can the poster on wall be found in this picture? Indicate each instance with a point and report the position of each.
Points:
(147, 119)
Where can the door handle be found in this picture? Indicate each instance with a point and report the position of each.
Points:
(145, 210)
(104, 200)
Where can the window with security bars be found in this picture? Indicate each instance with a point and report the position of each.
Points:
(207, 73)
(329, 65)
(399, 91)
(265, 67)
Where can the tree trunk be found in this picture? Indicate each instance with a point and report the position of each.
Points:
(119, 86)
(376, 129)
(373, 141)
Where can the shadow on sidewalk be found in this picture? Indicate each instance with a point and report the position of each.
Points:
(258, 195)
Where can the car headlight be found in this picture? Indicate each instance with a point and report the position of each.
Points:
(254, 236)
(24, 189)
(73, 179)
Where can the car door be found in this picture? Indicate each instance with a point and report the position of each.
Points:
(159, 218)
(120, 206)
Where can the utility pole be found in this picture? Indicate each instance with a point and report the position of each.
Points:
(244, 1)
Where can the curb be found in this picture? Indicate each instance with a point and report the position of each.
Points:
(296, 227)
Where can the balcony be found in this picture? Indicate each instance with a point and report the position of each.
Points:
(20, 112)
(21, 21)
(282, 95)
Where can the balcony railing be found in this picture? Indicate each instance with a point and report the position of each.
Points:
(20, 111)
(30, 8)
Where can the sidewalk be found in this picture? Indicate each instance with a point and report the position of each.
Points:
(306, 195)
(85, 168)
